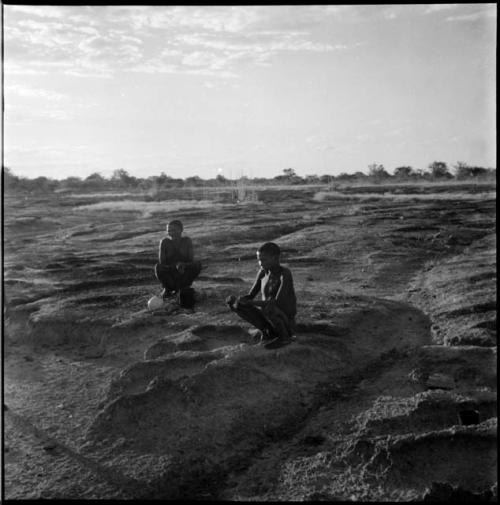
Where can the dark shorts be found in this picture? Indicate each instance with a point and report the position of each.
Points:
(271, 319)
(173, 280)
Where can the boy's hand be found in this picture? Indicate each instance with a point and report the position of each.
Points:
(244, 300)
(231, 301)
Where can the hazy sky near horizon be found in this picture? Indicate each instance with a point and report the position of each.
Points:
(247, 90)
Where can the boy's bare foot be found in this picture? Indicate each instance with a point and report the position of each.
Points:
(231, 301)
(268, 336)
(166, 293)
(256, 336)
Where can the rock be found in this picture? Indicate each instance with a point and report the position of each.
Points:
(468, 417)
(440, 381)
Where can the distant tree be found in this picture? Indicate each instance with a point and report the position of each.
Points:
(491, 173)
(344, 176)
(73, 183)
(377, 172)
(194, 181)
(420, 174)
(95, 181)
(260, 180)
(478, 171)
(220, 179)
(69, 184)
(289, 177)
(95, 177)
(359, 176)
(326, 179)
(72, 180)
(464, 171)
(176, 182)
(403, 172)
(146, 184)
(11, 182)
(439, 170)
(43, 185)
(311, 179)
(162, 180)
(122, 179)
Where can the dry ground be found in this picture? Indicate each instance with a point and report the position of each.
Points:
(388, 392)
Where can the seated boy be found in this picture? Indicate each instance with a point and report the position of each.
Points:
(275, 314)
(176, 268)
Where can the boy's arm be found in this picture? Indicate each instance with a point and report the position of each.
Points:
(162, 254)
(285, 287)
(189, 250)
(286, 281)
(255, 288)
(187, 253)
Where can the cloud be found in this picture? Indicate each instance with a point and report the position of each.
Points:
(104, 48)
(474, 16)
(396, 132)
(214, 18)
(466, 12)
(261, 42)
(25, 104)
(155, 67)
(390, 14)
(47, 11)
(430, 9)
(25, 91)
(215, 52)
(98, 41)
(23, 114)
(364, 137)
(167, 52)
(65, 46)
(202, 59)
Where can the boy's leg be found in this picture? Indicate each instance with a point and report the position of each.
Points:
(168, 276)
(191, 271)
(281, 324)
(254, 316)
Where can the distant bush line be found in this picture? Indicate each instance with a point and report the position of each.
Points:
(156, 184)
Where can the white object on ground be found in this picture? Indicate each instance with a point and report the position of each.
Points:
(155, 303)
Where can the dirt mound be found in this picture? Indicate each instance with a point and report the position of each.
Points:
(229, 396)
(459, 294)
(198, 338)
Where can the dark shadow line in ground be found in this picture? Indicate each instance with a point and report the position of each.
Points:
(114, 477)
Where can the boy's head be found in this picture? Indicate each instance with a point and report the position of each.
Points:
(268, 255)
(174, 228)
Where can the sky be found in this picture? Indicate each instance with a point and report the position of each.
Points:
(247, 90)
